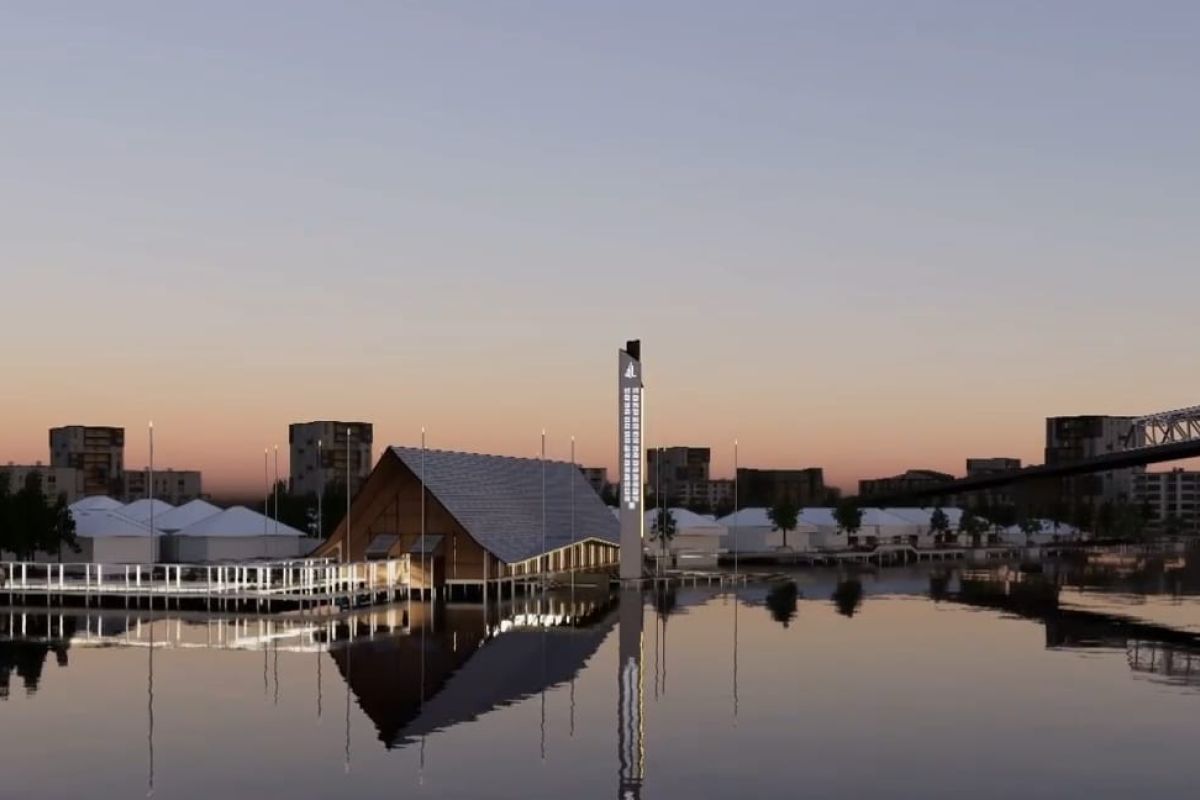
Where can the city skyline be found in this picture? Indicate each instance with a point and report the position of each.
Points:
(863, 239)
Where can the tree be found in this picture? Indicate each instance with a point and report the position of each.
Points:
(663, 530)
(972, 527)
(31, 523)
(784, 516)
(939, 525)
(848, 516)
(1030, 527)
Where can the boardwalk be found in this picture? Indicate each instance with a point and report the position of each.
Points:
(258, 585)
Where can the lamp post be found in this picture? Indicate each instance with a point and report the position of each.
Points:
(424, 574)
(348, 434)
(276, 490)
(150, 495)
(320, 490)
(735, 512)
(545, 568)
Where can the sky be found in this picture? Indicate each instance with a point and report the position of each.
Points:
(862, 236)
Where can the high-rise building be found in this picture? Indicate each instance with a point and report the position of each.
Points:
(766, 487)
(672, 467)
(1075, 438)
(597, 478)
(986, 467)
(97, 452)
(1170, 494)
(174, 486)
(912, 480)
(56, 481)
(312, 471)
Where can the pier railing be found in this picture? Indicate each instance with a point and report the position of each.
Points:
(297, 579)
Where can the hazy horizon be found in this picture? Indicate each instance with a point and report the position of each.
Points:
(858, 236)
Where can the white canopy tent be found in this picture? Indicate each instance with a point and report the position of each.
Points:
(187, 514)
(237, 534)
(751, 531)
(142, 510)
(110, 537)
(697, 541)
(96, 502)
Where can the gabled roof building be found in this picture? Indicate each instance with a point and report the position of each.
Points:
(485, 518)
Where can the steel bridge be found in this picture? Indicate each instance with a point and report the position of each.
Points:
(1152, 439)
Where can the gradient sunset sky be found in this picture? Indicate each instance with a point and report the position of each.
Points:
(863, 236)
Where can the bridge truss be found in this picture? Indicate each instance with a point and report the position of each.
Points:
(1166, 427)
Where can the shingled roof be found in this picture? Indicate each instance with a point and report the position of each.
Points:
(498, 500)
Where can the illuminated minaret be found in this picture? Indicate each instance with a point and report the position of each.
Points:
(632, 516)
(630, 698)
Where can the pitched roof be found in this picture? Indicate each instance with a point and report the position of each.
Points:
(104, 523)
(187, 514)
(757, 518)
(498, 500)
(684, 519)
(97, 502)
(238, 521)
(140, 509)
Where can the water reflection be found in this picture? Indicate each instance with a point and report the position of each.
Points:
(409, 672)
(25, 643)
(848, 596)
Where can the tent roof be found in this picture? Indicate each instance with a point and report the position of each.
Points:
(924, 516)
(187, 514)
(102, 523)
(96, 503)
(237, 521)
(140, 509)
(757, 518)
(498, 500)
(685, 520)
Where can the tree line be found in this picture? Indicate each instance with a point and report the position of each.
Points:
(32, 523)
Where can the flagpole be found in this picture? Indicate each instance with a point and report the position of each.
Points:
(266, 491)
(348, 433)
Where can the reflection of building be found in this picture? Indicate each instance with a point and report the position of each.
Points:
(1170, 494)
(482, 517)
(1075, 438)
(912, 480)
(766, 487)
(98, 453)
(174, 486)
(56, 481)
(313, 467)
(417, 682)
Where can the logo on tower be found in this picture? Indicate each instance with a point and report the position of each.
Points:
(631, 372)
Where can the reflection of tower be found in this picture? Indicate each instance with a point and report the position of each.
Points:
(630, 701)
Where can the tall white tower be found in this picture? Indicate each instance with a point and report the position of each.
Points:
(631, 390)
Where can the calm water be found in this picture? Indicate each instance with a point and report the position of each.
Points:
(903, 684)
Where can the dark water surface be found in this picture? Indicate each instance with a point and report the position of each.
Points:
(1080, 681)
